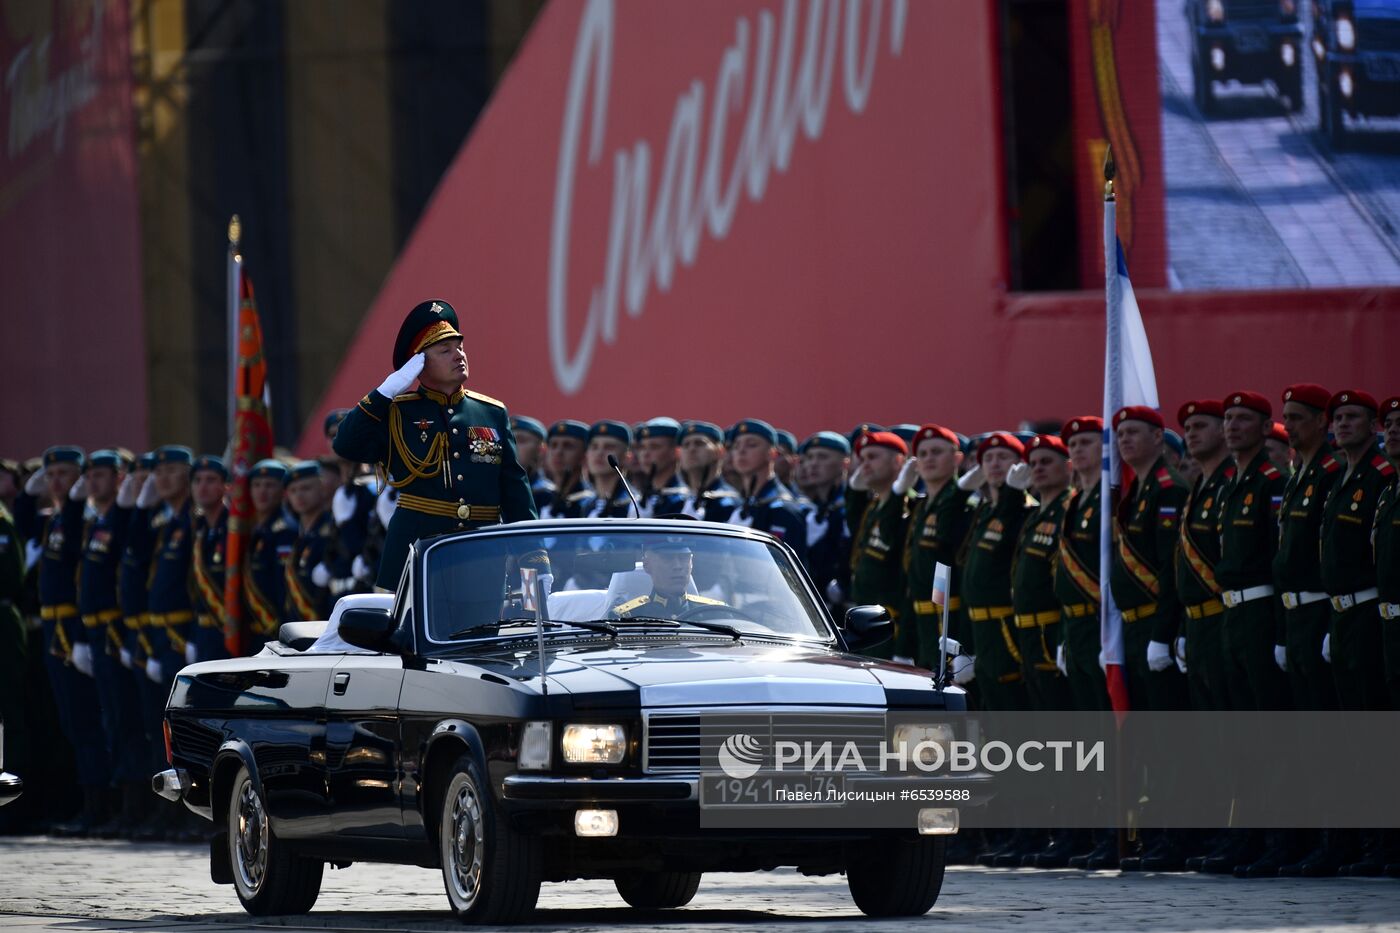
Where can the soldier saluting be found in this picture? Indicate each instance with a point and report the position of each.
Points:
(450, 452)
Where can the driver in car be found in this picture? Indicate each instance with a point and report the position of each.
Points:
(668, 561)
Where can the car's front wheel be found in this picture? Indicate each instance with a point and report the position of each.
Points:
(491, 872)
(269, 879)
(653, 890)
(897, 878)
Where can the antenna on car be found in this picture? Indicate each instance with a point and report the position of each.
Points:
(612, 462)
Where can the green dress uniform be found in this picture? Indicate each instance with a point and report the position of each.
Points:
(1298, 580)
(1253, 621)
(876, 568)
(1386, 535)
(452, 458)
(1144, 584)
(1197, 555)
(986, 591)
(1077, 588)
(1037, 611)
(1349, 576)
(656, 606)
(937, 526)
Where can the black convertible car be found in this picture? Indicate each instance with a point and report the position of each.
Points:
(526, 708)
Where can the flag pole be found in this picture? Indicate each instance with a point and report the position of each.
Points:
(235, 262)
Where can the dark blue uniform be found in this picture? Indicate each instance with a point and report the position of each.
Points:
(305, 600)
(774, 509)
(265, 583)
(170, 620)
(829, 543)
(715, 503)
(207, 562)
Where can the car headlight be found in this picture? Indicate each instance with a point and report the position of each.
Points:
(910, 736)
(1215, 11)
(1346, 34)
(587, 744)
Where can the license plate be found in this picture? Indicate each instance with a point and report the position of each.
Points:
(771, 789)
(1251, 40)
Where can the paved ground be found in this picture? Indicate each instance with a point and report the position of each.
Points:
(73, 886)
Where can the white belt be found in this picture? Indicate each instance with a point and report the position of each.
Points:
(1233, 598)
(1294, 600)
(1343, 603)
(1390, 611)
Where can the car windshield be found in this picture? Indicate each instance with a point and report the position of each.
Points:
(637, 579)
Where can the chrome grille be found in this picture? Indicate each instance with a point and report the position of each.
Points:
(672, 739)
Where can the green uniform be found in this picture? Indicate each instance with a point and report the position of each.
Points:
(1077, 589)
(1253, 615)
(14, 640)
(1037, 616)
(655, 606)
(936, 528)
(986, 586)
(1197, 554)
(1144, 583)
(1386, 535)
(876, 567)
(452, 458)
(1298, 580)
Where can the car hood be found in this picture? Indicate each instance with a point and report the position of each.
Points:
(1377, 9)
(705, 673)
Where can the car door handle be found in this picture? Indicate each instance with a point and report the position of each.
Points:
(342, 681)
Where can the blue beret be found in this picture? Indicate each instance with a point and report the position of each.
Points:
(964, 443)
(269, 469)
(829, 440)
(1174, 441)
(787, 441)
(761, 429)
(905, 432)
(862, 428)
(210, 463)
(333, 418)
(617, 430)
(575, 429)
(304, 469)
(147, 461)
(63, 454)
(174, 453)
(528, 425)
(1025, 437)
(702, 429)
(105, 458)
(668, 428)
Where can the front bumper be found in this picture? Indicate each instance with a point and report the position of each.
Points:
(1250, 53)
(11, 787)
(1374, 79)
(172, 783)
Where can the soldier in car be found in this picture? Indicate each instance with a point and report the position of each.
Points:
(668, 561)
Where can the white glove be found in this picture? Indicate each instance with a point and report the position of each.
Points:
(1159, 655)
(34, 486)
(1327, 647)
(402, 379)
(972, 479)
(82, 657)
(386, 503)
(1103, 661)
(690, 507)
(343, 505)
(78, 493)
(321, 575)
(741, 517)
(153, 670)
(1019, 476)
(191, 652)
(1060, 660)
(903, 659)
(148, 496)
(1181, 654)
(951, 646)
(1281, 657)
(359, 568)
(857, 479)
(964, 668)
(126, 492)
(127, 660)
(816, 529)
(908, 475)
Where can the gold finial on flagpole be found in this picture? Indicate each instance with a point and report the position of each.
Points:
(1109, 170)
(235, 232)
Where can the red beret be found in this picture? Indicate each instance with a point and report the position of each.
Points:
(1205, 406)
(881, 439)
(1308, 393)
(1251, 400)
(935, 430)
(1001, 439)
(1047, 442)
(1279, 433)
(1351, 397)
(1390, 405)
(1084, 424)
(1139, 413)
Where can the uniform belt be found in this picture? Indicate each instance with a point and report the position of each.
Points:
(208, 621)
(1139, 612)
(179, 617)
(58, 613)
(1390, 611)
(927, 607)
(1080, 610)
(1211, 607)
(134, 623)
(1301, 598)
(1233, 598)
(1345, 602)
(101, 618)
(1032, 619)
(995, 613)
(463, 512)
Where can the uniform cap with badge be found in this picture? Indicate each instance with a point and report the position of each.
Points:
(754, 427)
(881, 439)
(1351, 397)
(1084, 424)
(63, 453)
(269, 469)
(828, 440)
(702, 429)
(524, 424)
(427, 324)
(1250, 400)
(173, 453)
(211, 464)
(930, 431)
(668, 428)
(104, 458)
(1047, 442)
(1139, 413)
(999, 440)
(1204, 406)
(569, 428)
(1309, 394)
(303, 469)
(610, 428)
(865, 427)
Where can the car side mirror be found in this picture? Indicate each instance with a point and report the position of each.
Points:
(371, 629)
(867, 626)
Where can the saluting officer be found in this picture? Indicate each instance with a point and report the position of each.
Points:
(449, 451)
(708, 496)
(825, 460)
(767, 505)
(270, 546)
(936, 528)
(1032, 576)
(307, 599)
(1198, 553)
(1387, 547)
(208, 487)
(878, 520)
(564, 459)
